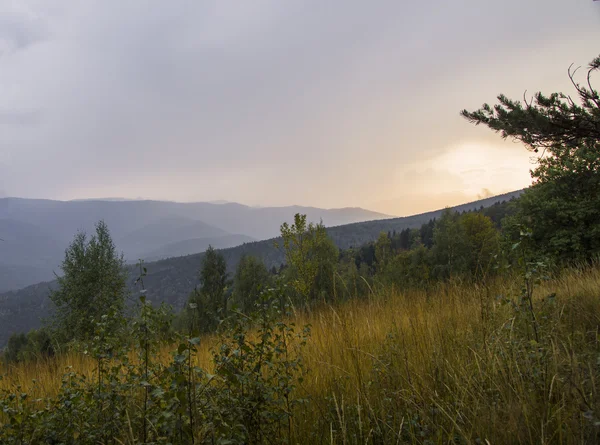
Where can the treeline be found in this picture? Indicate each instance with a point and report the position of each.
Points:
(172, 280)
(471, 246)
(250, 397)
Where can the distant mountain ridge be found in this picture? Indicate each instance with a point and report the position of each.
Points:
(37, 231)
(171, 280)
(196, 245)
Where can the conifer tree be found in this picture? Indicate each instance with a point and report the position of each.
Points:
(562, 208)
(208, 304)
(251, 277)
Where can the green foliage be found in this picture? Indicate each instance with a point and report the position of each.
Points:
(562, 208)
(527, 365)
(482, 242)
(196, 316)
(564, 217)
(568, 131)
(351, 281)
(251, 276)
(465, 246)
(499, 211)
(251, 398)
(258, 368)
(17, 343)
(450, 245)
(426, 233)
(214, 280)
(312, 258)
(407, 269)
(174, 279)
(94, 279)
(33, 345)
(251, 394)
(383, 251)
(209, 304)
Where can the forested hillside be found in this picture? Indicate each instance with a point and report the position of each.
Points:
(35, 232)
(171, 280)
(477, 324)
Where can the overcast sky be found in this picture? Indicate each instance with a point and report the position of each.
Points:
(271, 102)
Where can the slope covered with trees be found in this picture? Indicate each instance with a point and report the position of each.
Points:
(171, 280)
(36, 231)
(475, 326)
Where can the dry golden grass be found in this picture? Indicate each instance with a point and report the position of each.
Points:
(43, 377)
(437, 366)
(460, 361)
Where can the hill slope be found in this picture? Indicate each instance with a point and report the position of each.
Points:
(195, 245)
(410, 347)
(171, 280)
(156, 236)
(36, 231)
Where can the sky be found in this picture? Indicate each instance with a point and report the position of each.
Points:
(267, 102)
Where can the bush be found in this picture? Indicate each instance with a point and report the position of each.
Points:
(250, 397)
(33, 345)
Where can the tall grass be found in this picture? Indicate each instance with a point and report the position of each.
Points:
(456, 364)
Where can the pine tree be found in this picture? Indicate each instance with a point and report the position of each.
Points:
(562, 208)
(208, 304)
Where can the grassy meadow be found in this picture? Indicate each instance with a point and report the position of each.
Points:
(458, 364)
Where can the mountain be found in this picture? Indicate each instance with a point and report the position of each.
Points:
(37, 231)
(192, 246)
(171, 280)
(107, 199)
(28, 254)
(165, 232)
(16, 277)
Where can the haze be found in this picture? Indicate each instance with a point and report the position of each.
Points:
(329, 104)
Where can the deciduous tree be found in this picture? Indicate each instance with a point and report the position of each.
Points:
(311, 256)
(93, 284)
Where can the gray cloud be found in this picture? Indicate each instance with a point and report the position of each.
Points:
(264, 102)
(19, 118)
(19, 30)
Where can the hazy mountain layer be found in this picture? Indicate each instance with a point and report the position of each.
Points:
(195, 245)
(36, 231)
(171, 280)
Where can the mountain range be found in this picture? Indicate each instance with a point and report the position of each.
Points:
(36, 232)
(171, 280)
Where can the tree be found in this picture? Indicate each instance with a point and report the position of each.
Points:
(449, 245)
(196, 317)
(405, 239)
(93, 284)
(365, 256)
(251, 277)
(562, 208)
(349, 282)
(383, 251)
(327, 256)
(208, 304)
(427, 233)
(17, 343)
(213, 278)
(482, 241)
(33, 345)
(312, 258)
(407, 268)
